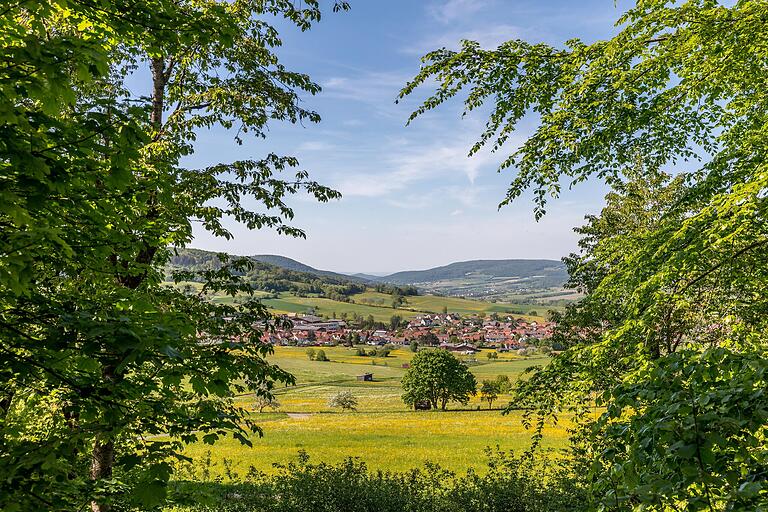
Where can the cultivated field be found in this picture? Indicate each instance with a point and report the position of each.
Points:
(382, 431)
(379, 305)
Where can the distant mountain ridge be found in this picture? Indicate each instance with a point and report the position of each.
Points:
(550, 270)
(473, 278)
(291, 264)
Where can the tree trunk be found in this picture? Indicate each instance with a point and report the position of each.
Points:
(103, 454)
(102, 460)
(159, 79)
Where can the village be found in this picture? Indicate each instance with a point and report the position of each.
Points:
(449, 331)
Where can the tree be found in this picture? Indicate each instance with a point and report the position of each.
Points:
(437, 376)
(261, 402)
(489, 392)
(445, 310)
(344, 400)
(428, 339)
(311, 354)
(320, 355)
(503, 383)
(674, 271)
(493, 355)
(96, 200)
(414, 346)
(395, 321)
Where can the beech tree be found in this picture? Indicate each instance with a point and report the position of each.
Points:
(669, 339)
(98, 355)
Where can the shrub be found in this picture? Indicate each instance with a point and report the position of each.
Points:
(511, 484)
(320, 356)
(311, 354)
(344, 400)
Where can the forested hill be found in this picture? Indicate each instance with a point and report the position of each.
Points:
(273, 274)
(546, 273)
(291, 264)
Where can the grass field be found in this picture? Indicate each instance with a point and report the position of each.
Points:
(395, 441)
(383, 431)
(379, 305)
(435, 304)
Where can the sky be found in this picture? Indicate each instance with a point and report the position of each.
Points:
(411, 198)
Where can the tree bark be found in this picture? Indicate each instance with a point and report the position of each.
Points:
(103, 453)
(102, 460)
(159, 79)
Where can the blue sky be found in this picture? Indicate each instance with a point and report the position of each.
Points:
(411, 197)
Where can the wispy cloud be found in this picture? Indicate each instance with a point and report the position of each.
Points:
(452, 10)
(368, 87)
(488, 37)
(410, 165)
(315, 145)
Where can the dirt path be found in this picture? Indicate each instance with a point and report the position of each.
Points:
(298, 415)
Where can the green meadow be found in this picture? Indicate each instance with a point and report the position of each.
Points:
(379, 305)
(382, 431)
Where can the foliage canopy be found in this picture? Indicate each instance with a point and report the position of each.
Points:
(671, 337)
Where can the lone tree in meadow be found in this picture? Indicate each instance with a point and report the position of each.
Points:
(489, 392)
(438, 377)
(344, 400)
(262, 402)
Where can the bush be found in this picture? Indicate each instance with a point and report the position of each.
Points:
(360, 352)
(511, 484)
(311, 354)
(344, 400)
(320, 356)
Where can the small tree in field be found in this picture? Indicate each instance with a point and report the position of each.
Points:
(489, 392)
(438, 377)
(493, 355)
(262, 402)
(320, 356)
(311, 354)
(344, 400)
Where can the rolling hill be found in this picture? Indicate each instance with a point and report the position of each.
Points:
(501, 280)
(297, 266)
(548, 272)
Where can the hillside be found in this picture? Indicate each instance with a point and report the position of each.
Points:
(270, 277)
(549, 272)
(509, 280)
(490, 279)
(291, 264)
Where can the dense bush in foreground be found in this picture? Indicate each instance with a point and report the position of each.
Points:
(511, 484)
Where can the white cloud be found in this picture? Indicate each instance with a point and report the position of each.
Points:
(452, 10)
(454, 213)
(488, 37)
(369, 87)
(411, 165)
(315, 145)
